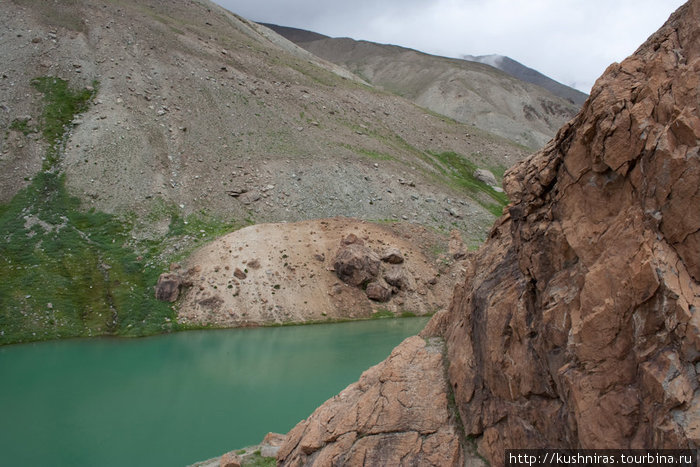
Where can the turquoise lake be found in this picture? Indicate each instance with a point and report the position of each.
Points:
(176, 399)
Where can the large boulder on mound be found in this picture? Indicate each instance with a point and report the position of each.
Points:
(356, 264)
(276, 273)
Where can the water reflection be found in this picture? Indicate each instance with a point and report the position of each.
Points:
(173, 400)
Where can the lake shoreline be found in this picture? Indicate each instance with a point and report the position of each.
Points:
(217, 328)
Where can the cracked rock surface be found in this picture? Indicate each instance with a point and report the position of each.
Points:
(396, 414)
(578, 322)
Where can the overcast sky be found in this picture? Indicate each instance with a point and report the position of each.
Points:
(572, 41)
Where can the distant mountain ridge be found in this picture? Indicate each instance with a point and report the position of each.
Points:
(467, 91)
(524, 73)
(501, 62)
(295, 35)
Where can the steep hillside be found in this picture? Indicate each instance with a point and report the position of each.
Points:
(578, 323)
(467, 91)
(194, 105)
(133, 131)
(520, 71)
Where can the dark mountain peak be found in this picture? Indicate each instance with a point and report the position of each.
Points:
(527, 74)
(295, 35)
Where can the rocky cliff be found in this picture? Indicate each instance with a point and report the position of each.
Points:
(578, 323)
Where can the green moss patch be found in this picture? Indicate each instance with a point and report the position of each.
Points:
(61, 104)
(67, 272)
(459, 172)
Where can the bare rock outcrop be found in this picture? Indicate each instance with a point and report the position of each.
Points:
(356, 264)
(396, 414)
(578, 324)
(380, 274)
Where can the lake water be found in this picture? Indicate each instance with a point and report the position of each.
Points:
(176, 399)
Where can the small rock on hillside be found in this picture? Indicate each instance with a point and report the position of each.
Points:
(168, 287)
(485, 176)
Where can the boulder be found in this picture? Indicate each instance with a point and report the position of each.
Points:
(355, 264)
(392, 256)
(396, 276)
(274, 439)
(485, 176)
(249, 197)
(239, 274)
(378, 292)
(230, 459)
(168, 287)
(351, 239)
(236, 192)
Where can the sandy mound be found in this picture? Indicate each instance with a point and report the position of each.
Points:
(276, 273)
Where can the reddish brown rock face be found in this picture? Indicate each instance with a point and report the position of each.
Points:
(396, 414)
(578, 325)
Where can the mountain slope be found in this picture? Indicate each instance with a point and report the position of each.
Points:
(520, 71)
(466, 91)
(194, 102)
(133, 131)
